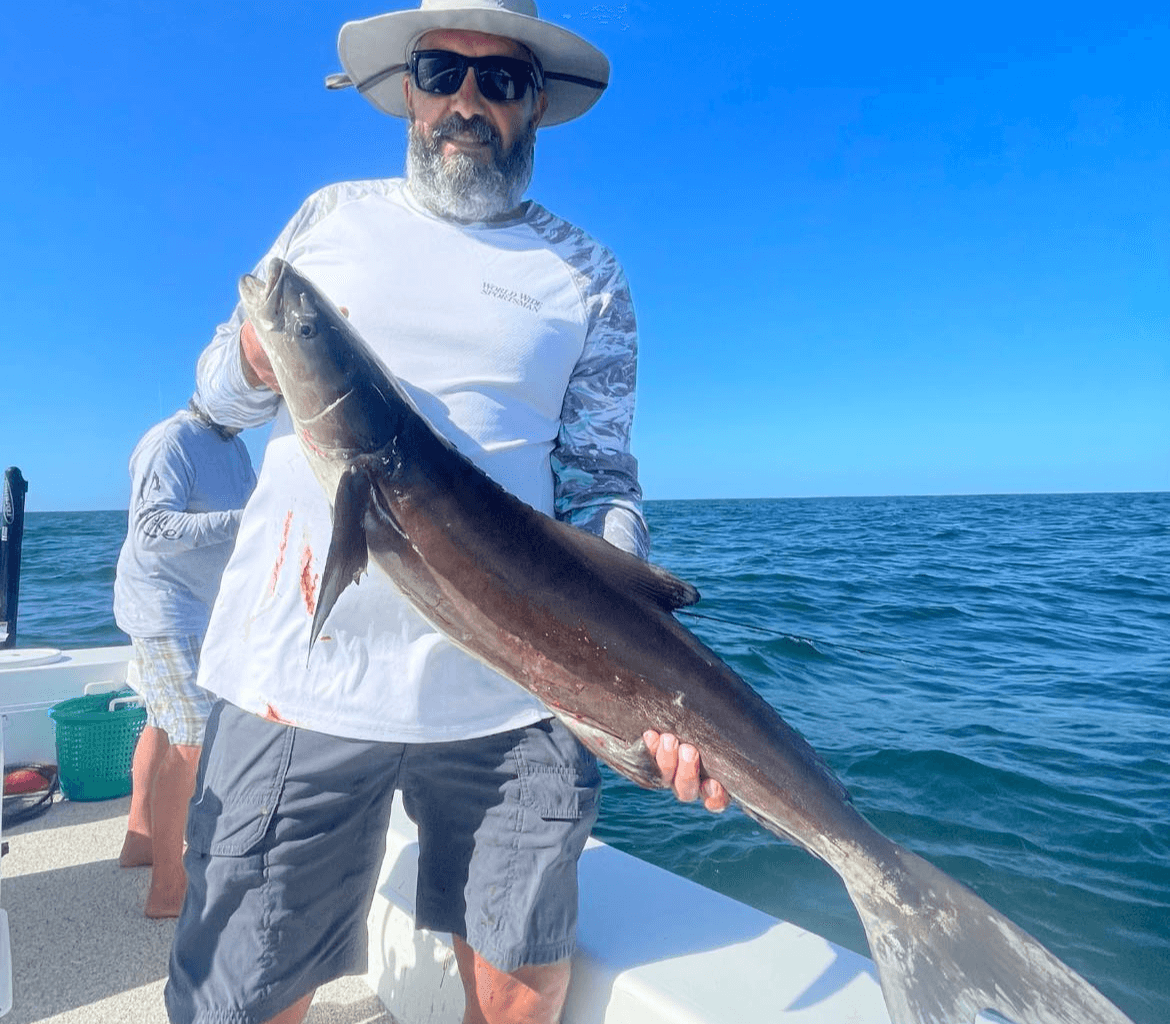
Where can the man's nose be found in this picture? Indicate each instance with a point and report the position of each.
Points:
(468, 97)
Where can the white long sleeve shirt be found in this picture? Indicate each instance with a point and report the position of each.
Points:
(517, 341)
(188, 486)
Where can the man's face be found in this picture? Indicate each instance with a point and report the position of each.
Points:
(469, 157)
(510, 119)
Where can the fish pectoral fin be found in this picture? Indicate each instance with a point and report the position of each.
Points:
(348, 551)
(384, 465)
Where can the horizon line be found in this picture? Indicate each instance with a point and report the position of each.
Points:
(792, 497)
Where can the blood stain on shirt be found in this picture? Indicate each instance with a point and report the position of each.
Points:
(272, 715)
(308, 580)
(280, 553)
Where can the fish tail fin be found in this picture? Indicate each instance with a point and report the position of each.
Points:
(944, 955)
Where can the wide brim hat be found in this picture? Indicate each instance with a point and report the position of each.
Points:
(375, 52)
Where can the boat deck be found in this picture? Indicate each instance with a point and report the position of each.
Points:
(82, 951)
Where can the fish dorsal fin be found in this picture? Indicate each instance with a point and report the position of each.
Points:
(628, 572)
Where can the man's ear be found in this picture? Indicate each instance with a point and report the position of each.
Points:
(539, 108)
(406, 95)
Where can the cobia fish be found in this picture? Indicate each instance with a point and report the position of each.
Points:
(591, 631)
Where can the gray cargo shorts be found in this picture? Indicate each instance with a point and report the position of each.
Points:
(286, 835)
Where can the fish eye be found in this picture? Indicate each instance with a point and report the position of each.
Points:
(306, 329)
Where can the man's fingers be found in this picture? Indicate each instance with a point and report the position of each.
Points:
(681, 769)
(257, 368)
(715, 797)
(686, 779)
(664, 749)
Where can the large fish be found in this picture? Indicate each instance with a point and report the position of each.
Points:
(590, 630)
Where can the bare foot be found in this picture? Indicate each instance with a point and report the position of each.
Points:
(165, 899)
(136, 851)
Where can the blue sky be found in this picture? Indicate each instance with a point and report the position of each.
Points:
(873, 249)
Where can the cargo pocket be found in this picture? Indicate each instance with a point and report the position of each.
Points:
(235, 799)
(559, 778)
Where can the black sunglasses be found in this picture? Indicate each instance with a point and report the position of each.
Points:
(500, 79)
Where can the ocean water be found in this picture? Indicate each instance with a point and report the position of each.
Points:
(989, 676)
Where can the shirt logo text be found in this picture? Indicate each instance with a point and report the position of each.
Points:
(512, 296)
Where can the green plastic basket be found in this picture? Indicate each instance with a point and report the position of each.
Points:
(96, 736)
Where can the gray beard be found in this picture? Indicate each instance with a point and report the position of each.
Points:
(460, 186)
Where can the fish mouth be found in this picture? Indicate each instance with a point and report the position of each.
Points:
(253, 291)
(258, 295)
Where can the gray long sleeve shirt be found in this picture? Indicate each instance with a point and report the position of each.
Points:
(188, 487)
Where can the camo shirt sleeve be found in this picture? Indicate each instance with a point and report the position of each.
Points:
(221, 386)
(595, 476)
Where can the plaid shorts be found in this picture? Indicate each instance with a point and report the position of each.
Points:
(286, 836)
(163, 673)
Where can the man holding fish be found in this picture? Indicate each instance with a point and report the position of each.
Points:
(514, 334)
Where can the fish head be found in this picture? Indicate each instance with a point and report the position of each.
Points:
(343, 401)
(306, 337)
